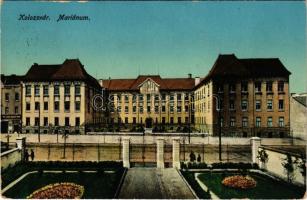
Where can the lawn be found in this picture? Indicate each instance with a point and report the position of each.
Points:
(267, 188)
(97, 185)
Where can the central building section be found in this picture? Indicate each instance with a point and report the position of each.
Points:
(150, 103)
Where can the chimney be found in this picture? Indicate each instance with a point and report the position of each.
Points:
(197, 80)
(190, 75)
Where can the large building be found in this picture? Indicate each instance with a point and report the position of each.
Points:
(298, 115)
(253, 96)
(150, 101)
(10, 103)
(58, 99)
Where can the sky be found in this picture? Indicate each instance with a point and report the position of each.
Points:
(173, 39)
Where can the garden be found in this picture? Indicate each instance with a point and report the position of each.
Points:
(59, 180)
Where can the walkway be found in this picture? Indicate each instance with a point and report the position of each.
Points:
(153, 183)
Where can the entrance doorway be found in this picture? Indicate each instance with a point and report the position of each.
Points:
(148, 122)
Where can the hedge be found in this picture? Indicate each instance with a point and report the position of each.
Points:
(220, 165)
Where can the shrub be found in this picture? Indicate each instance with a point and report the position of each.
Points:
(241, 182)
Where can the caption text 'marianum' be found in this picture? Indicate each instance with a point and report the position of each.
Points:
(61, 17)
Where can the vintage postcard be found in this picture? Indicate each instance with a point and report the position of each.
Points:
(153, 99)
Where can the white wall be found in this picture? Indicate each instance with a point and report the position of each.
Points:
(10, 157)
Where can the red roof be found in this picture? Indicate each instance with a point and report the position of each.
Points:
(134, 84)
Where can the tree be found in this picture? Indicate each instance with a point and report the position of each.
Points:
(301, 164)
(192, 156)
(289, 167)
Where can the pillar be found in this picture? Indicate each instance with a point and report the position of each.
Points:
(255, 142)
(126, 157)
(176, 153)
(21, 144)
(160, 153)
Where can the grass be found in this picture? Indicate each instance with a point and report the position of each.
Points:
(97, 185)
(267, 188)
(193, 183)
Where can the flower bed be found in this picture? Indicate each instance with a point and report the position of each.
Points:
(58, 191)
(238, 181)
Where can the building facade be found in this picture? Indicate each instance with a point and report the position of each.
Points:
(298, 115)
(253, 96)
(58, 99)
(150, 101)
(11, 91)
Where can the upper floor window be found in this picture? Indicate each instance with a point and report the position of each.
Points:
(281, 104)
(134, 97)
(171, 97)
(67, 106)
(56, 106)
(270, 104)
(231, 104)
(258, 121)
(134, 109)
(244, 122)
(257, 86)
(270, 121)
(258, 105)
(126, 109)
(16, 110)
(7, 96)
(156, 97)
(37, 106)
(28, 90)
(148, 97)
(66, 89)
(140, 97)
(56, 90)
(269, 86)
(77, 90)
(220, 88)
(17, 97)
(186, 96)
(232, 87)
(163, 97)
(232, 121)
(244, 104)
(28, 106)
(77, 105)
(46, 105)
(126, 98)
(46, 90)
(178, 97)
(281, 122)
(244, 87)
(6, 110)
(280, 86)
(36, 90)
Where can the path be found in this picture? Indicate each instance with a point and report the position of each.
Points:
(153, 183)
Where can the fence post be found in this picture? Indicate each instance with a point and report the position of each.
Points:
(126, 159)
(176, 153)
(21, 144)
(255, 143)
(160, 153)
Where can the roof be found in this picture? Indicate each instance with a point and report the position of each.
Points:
(134, 84)
(11, 79)
(70, 70)
(228, 65)
(301, 99)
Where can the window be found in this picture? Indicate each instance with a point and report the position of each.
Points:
(270, 121)
(37, 107)
(148, 97)
(244, 122)
(171, 108)
(269, 87)
(280, 86)
(134, 96)
(258, 121)
(66, 121)
(126, 120)
(270, 104)
(28, 121)
(156, 109)
(186, 119)
(163, 97)
(17, 96)
(45, 105)
(244, 87)
(126, 109)
(258, 87)
(171, 97)
(6, 110)
(141, 109)
(119, 108)
(66, 90)
(77, 105)
(46, 90)
(134, 120)
(77, 90)
(163, 120)
(36, 121)
(244, 104)
(163, 108)
(178, 97)
(281, 104)
(134, 109)
(28, 90)
(126, 98)
(36, 90)
(186, 96)
(186, 108)
(258, 105)
(56, 106)
(220, 88)
(148, 109)
(56, 90)
(7, 96)
(172, 120)
(141, 97)
(231, 104)
(77, 121)
(232, 121)
(179, 120)
(45, 121)
(67, 106)
(156, 97)
(56, 121)
(179, 109)
(281, 122)
(28, 106)
(232, 87)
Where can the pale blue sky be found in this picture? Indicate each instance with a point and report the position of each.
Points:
(124, 39)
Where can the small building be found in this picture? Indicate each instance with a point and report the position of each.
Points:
(253, 95)
(298, 115)
(58, 98)
(11, 103)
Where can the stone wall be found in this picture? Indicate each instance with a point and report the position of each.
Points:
(10, 158)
